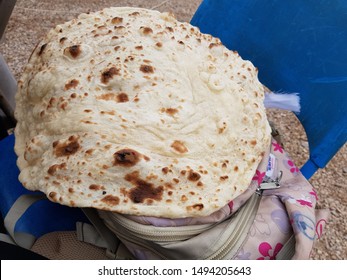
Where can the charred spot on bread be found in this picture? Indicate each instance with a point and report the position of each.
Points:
(179, 147)
(143, 190)
(193, 176)
(108, 74)
(148, 69)
(71, 84)
(74, 50)
(117, 20)
(126, 157)
(66, 148)
(52, 169)
(110, 200)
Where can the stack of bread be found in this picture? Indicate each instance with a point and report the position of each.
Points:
(132, 111)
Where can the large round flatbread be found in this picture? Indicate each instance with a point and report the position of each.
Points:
(132, 111)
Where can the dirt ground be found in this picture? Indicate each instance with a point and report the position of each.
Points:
(32, 19)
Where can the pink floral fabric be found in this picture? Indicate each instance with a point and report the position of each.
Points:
(259, 176)
(277, 147)
(267, 252)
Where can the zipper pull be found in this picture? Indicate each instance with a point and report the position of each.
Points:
(269, 184)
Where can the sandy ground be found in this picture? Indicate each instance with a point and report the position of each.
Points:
(32, 19)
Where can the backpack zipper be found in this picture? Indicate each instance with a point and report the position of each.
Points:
(246, 219)
(135, 233)
(235, 235)
(269, 184)
(158, 234)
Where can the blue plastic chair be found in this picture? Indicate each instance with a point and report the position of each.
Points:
(298, 46)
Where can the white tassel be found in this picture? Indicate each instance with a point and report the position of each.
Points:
(284, 101)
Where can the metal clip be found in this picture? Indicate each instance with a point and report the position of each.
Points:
(269, 184)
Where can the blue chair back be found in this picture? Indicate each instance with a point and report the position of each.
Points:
(43, 216)
(298, 46)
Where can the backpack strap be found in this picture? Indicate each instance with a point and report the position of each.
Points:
(6, 238)
(19, 207)
(100, 235)
(87, 233)
(288, 250)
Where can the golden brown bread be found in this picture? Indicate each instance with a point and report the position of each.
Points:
(131, 111)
